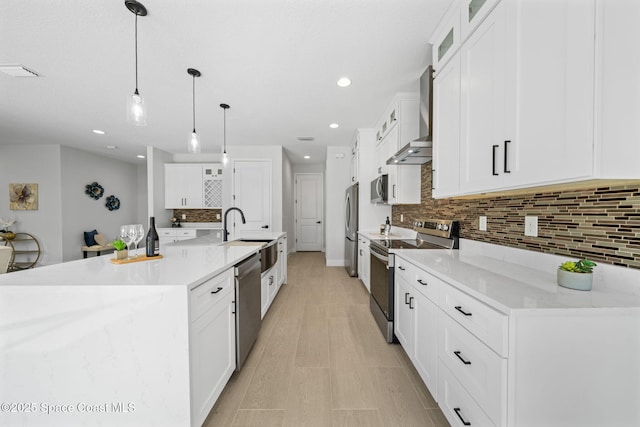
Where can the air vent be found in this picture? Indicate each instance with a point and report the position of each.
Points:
(18, 71)
(306, 138)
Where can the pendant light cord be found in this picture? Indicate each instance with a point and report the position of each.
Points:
(224, 129)
(136, 32)
(194, 104)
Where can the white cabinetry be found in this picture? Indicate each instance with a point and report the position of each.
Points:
(212, 342)
(355, 159)
(364, 260)
(522, 125)
(269, 288)
(171, 235)
(446, 128)
(399, 128)
(282, 260)
(416, 319)
(252, 194)
(192, 186)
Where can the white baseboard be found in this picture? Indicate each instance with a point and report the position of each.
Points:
(335, 263)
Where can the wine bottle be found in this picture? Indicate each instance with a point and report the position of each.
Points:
(153, 242)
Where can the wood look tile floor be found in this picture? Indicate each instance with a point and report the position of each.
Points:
(320, 360)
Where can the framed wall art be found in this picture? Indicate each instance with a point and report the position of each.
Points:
(23, 197)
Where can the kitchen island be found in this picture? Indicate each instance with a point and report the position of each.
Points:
(89, 342)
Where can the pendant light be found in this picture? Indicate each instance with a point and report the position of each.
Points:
(225, 159)
(193, 145)
(136, 110)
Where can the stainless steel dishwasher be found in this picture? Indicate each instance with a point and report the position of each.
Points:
(248, 306)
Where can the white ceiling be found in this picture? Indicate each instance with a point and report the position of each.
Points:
(275, 62)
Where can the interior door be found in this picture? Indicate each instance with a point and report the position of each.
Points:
(309, 209)
(252, 194)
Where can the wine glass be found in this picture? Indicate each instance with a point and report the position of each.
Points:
(133, 233)
(139, 236)
(124, 234)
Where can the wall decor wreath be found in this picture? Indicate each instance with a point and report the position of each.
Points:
(94, 190)
(113, 203)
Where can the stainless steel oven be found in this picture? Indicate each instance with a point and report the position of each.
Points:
(431, 234)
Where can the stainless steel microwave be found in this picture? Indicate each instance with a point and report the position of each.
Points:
(379, 189)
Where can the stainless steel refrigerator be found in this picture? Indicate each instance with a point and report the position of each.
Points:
(351, 230)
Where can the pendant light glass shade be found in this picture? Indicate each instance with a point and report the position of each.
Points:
(193, 146)
(136, 109)
(194, 143)
(225, 158)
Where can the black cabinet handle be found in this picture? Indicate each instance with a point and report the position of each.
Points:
(459, 308)
(265, 226)
(466, 362)
(406, 294)
(465, 422)
(494, 159)
(401, 268)
(217, 290)
(506, 157)
(422, 283)
(411, 302)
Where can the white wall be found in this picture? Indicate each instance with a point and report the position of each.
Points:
(38, 164)
(288, 204)
(155, 186)
(82, 213)
(337, 177)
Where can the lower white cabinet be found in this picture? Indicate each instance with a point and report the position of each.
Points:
(212, 342)
(269, 288)
(364, 261)
(171, 235)
(282, 260)
(520, 365)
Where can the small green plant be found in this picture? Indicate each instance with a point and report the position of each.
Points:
(582, 266)
(119, 245)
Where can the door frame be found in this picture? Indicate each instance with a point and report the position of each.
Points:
(322, 208)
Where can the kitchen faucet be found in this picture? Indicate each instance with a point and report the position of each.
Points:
(225, 233)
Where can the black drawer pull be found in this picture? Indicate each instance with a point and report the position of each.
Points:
(457, 411)
(459, 308)
(401, 268)
(406, 294)
(217, 290)
(466, 362)
(422, 283)
(506, 157)
(410, 302)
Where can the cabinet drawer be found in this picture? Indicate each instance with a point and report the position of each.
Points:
(481, 320)
(481, 372)
(456, 404)
(404, 269)
(186, 233)
(166, 233)
(209, 293)
(422, 281)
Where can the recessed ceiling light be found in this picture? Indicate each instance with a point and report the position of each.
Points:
(334, 125)
(307, 157)
(98, 131)
(140, 156)
(344, 82)
(112, 147)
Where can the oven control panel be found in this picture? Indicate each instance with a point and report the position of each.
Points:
(437, 227)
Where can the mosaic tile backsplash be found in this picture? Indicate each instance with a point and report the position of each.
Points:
(601, 224)
(199, 215)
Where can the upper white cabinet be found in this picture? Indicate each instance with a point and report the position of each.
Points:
(446, 128)
(528, 96)
(401, 120)
(252, 194)
(446, 38)
(192, 186)
(355, 159)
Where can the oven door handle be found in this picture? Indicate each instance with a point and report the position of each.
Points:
(382, 258)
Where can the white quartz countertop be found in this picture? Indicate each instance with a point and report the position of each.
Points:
(397, 233)
(196, 225)
(186, 263)
(507, 286)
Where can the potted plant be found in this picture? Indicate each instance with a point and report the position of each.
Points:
(576, 275)
(121, 249)
(4, 228)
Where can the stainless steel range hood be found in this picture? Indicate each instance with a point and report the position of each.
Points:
(414, 153)
(420, 151)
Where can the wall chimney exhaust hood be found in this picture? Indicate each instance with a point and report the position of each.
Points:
(414, 153)
(420, 150)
